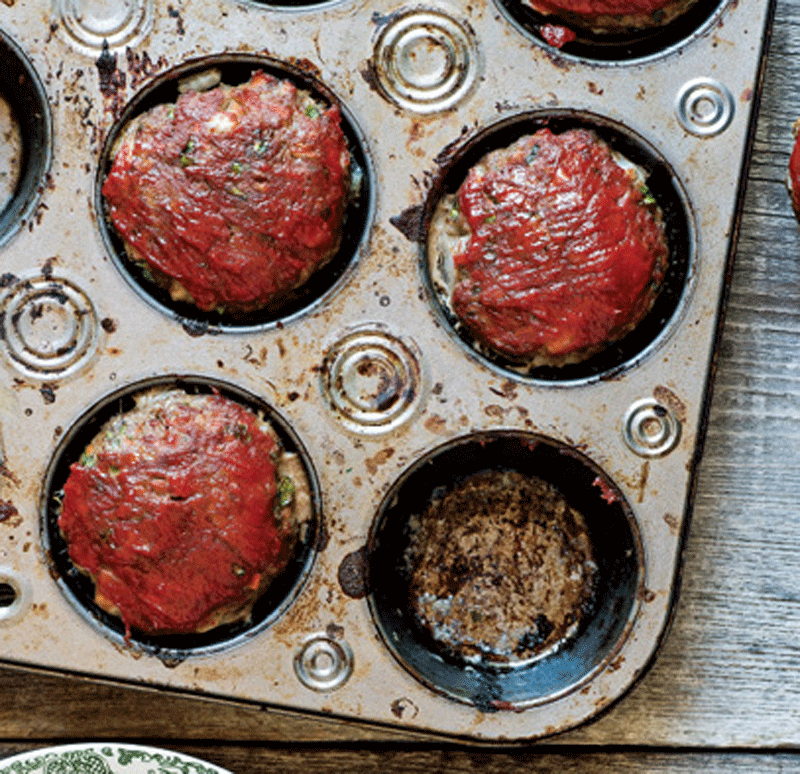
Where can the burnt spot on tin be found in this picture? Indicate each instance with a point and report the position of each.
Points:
(110, 78)
(8, 512)
(352, 574)
(411, 223)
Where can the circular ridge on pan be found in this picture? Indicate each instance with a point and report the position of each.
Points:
(619, 47)
(79, 589)
(665, 188)
(604, 622)
(236, 69)
(24, 93)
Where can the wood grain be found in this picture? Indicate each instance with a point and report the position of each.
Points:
(728, 678)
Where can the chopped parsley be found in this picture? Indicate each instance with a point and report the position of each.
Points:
(286, 491)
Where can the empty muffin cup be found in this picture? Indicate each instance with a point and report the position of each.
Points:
(180, 516)
(234, 192)
(504, 570)
(558, 246)
(26, 129)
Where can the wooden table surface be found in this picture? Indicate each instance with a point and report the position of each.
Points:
(724, 695)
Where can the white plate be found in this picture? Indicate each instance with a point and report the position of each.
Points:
(105, 758)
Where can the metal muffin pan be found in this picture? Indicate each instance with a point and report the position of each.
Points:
(369, 379)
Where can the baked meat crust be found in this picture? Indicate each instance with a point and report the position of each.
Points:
(551, 249)
(233, 197)
(182, 511)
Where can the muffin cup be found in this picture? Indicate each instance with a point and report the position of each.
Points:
(79, 588)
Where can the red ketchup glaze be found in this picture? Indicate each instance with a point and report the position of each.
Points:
(563, 253)
(237, 194)
(794, 175)
(178, 520)
(556, 35)
(593, 8)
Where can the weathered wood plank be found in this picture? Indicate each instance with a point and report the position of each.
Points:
(729, 674)
(398, 760)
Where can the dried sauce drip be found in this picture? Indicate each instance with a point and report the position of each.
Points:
(501, 568)
(177, 512)
(559, 249)
(233, 197)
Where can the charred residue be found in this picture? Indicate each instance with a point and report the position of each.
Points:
(352, 574)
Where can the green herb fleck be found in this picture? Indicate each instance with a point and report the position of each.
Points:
(88, 458)
(647, 196)
(286, 491)
(237, 167)
(312, 111)
(185, 161)
(234, 190)
(260, 147)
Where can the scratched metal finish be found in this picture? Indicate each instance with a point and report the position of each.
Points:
(417, 82)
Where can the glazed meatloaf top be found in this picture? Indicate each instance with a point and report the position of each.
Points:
(182, 511)
(233, 197)
(552, 248)
(613, 15)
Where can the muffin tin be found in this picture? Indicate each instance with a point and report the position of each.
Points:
(366, 375)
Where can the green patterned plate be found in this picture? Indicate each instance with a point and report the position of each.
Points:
(105, 758)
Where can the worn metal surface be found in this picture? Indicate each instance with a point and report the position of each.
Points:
(74, 330)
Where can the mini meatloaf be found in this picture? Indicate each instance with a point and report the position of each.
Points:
(612, 16)
(182, 511)
(794, 170)
(501, 568)
(551, 249)
(232, 198)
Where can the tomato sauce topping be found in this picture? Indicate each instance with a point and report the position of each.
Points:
(565, 248)
(794, 172)
(594, 8)
(238, 193)
(172, 512)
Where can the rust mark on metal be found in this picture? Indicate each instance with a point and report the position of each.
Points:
(378, 459)
(9, 514)
(352, 574)
(48, 392)
(108, 324)
(141, 67)
(495, 412)
(174, 13)
(666, 396)
(111, 78)
(672, 522)
(370, 76)
(643, 476)
(334, 631)
(616, 664)
(507, 390)
(404, 708)
(436, 424)
(648, 595)
(411, 223)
